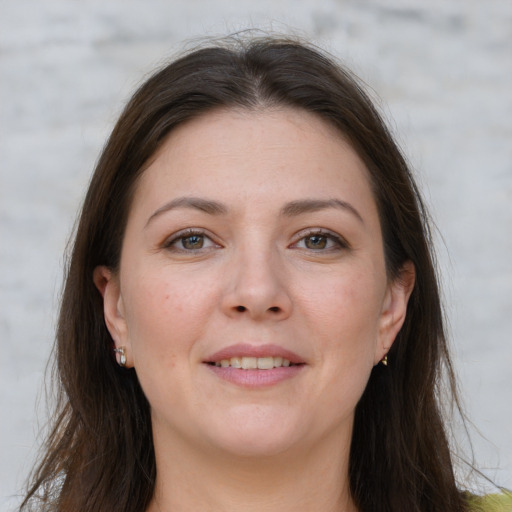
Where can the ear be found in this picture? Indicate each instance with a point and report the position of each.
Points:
(107, 284)
(394, 309)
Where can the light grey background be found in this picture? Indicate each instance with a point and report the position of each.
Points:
(443, 69)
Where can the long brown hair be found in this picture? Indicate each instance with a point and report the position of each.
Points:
(99, 456)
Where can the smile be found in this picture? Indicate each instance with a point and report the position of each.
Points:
(253, 363)
(255, 366)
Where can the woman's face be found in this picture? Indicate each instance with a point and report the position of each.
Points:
(253, 241)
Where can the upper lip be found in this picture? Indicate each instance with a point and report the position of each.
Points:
(248, 350)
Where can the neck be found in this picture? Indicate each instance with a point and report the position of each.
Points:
(316, 479)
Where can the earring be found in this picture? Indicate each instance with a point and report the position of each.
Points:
(121, 361)
(384, 360)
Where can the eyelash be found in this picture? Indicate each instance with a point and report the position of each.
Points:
(170, 243)
(340, 242)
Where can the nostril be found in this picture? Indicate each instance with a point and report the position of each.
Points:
(273, 309)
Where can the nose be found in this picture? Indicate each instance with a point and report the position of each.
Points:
(256, 287)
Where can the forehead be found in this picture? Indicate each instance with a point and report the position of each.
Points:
(255, 156)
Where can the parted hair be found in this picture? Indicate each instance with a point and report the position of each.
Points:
(99, 456)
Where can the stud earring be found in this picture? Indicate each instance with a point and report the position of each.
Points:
(384, 360)
(121, 360)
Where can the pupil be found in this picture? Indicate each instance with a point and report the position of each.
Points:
(316, 242)
(193, 242)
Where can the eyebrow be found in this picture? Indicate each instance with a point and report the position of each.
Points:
(291, 209)
(314, 205)
(196, 203)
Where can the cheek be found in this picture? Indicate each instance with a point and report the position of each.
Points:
(344, 316)
(341, 314)
(345, 310)
(165, 315)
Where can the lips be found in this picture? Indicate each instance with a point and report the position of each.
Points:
(242, 351)
(253, 363)
(254, 366)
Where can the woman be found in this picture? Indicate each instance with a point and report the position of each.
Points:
(251, 316)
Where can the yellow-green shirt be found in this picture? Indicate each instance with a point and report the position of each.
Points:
(491, 503)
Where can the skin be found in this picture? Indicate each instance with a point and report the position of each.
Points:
(312, 281)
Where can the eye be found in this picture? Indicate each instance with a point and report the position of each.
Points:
(317, 242)
(321, 241)
(190, 241)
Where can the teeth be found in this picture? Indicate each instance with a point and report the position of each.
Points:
(236, 362)
(265, 363)
(253, 363)
(249, 363)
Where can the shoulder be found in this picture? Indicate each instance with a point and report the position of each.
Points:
(491, 503)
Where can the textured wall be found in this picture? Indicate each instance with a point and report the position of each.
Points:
(443, 69)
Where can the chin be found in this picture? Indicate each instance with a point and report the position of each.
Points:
(263, 447)
(258, 433)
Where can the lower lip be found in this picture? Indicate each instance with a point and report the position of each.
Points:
(256, 378)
